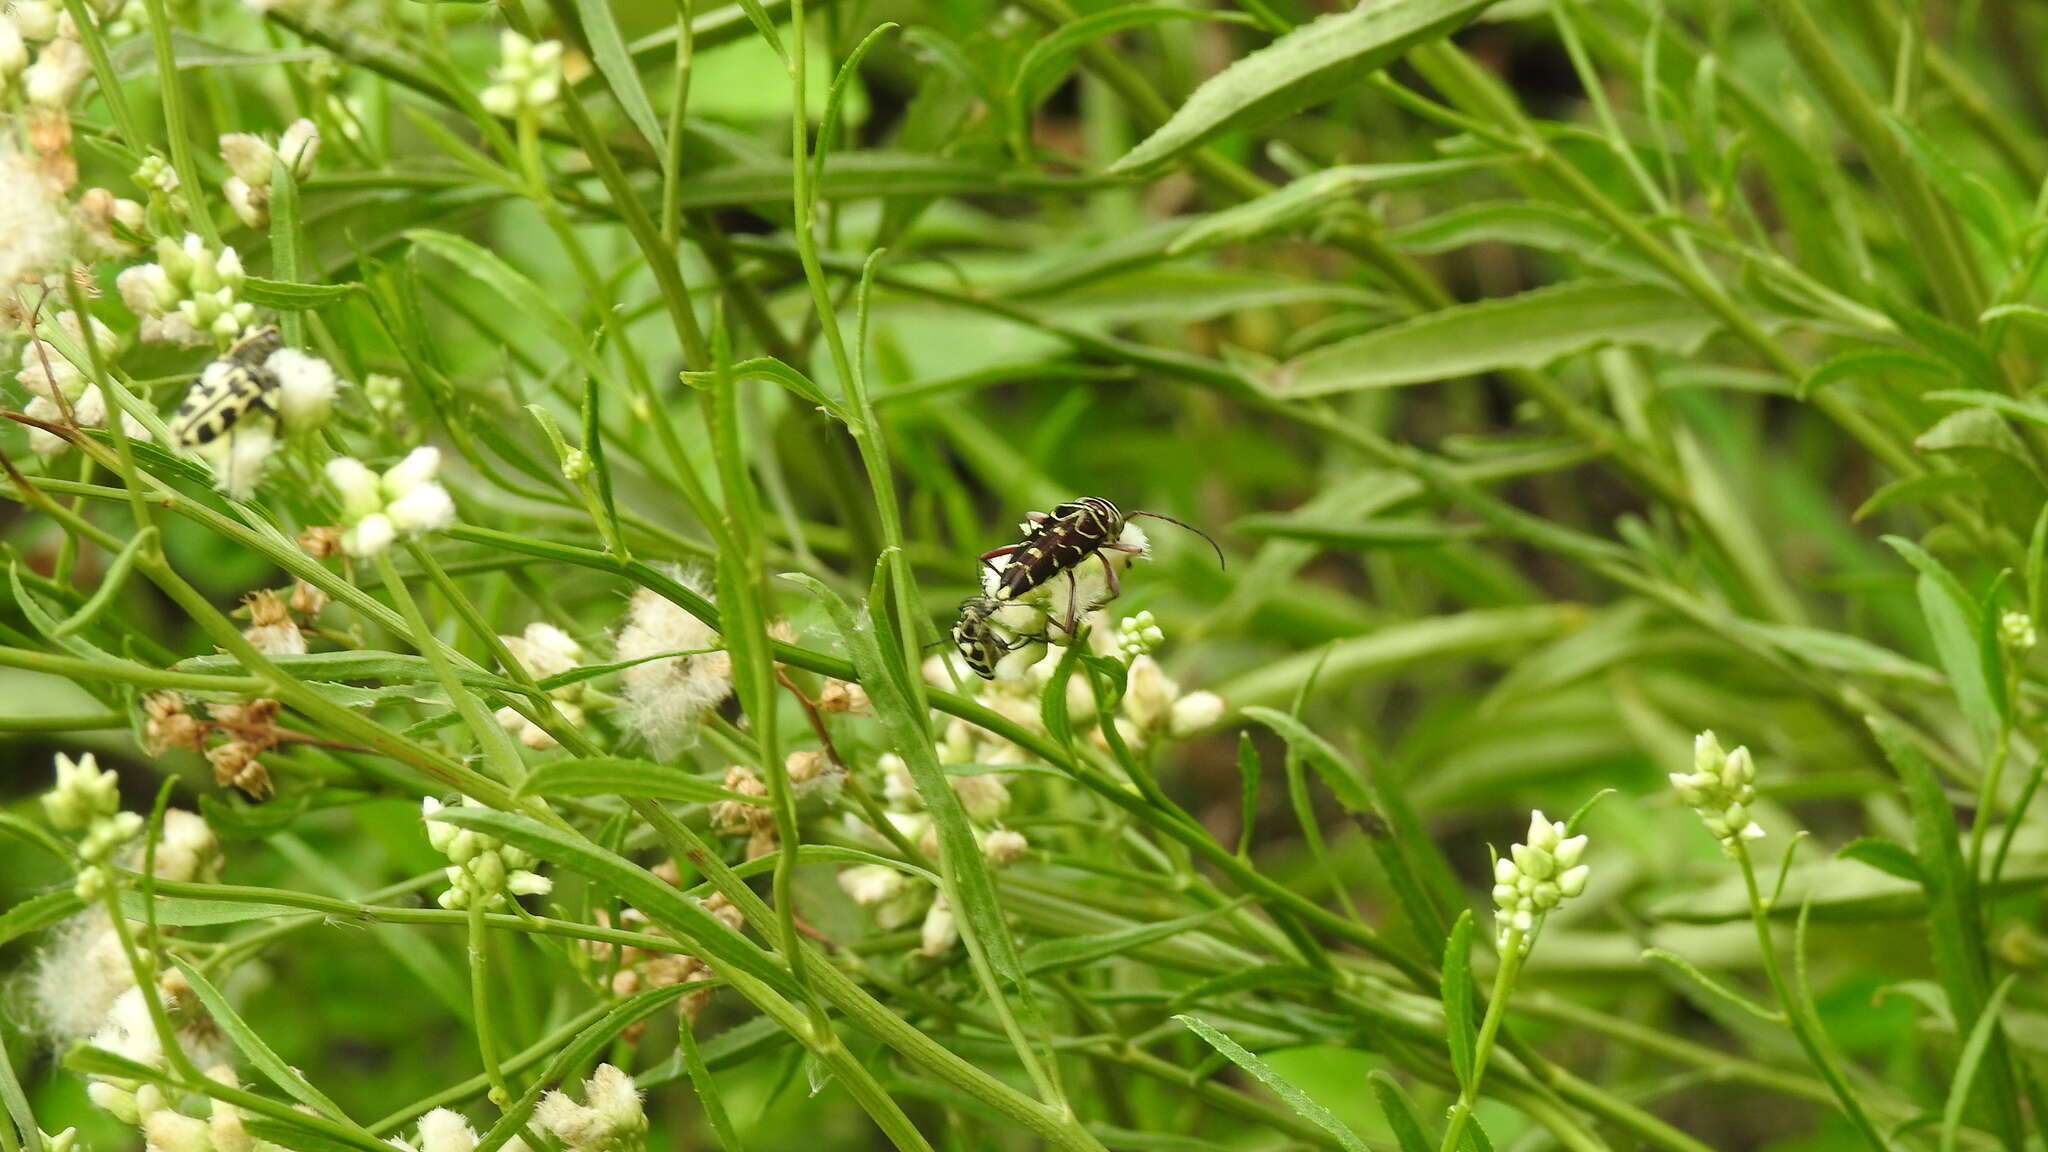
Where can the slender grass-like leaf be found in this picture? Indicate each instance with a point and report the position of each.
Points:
(1301, 1102)
(624, 776)
(608, 51)
(1527, 330)
(1408, 1131)
(250, 1044)
(1305, 66)
(1460, 1028)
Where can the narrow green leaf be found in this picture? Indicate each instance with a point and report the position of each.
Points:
(290, 297)
(1075, 951)
(1302, 202)
(1408, 1131)
(527, 301)
(1312, 63)
(1303, 1104)
(195, 912)
(1967, 1064)
(260, 1054)
(608, 50)
(1714, 986)
(1248, 792)
(1526, 330)
(1956, 622)
(37, 913)
(1859, 363)
(624, 776)
(1460, 1030)
(1955, 922)
(1885, 856)
(1051, 55)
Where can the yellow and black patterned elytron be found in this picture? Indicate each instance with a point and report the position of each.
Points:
(1058, 542)
(976, 636)
(220, 399)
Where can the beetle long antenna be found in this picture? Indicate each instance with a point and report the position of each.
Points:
(1220, 561)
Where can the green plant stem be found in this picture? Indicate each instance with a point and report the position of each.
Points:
(1489, 1027)
(189, 185)
(1798, 1017)
(485, 1010)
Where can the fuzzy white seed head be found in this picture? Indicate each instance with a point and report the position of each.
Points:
(425, 508)
(35, 230)
(306, 386)
(369, 536)
(60, 67)
(939, 932)
(445, 1130)
(415, 471)
(666, 698)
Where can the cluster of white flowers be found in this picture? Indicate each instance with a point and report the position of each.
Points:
(41, 59)
(1721, 788)
(35, 232)
(444, 1130)
(543, 651)
(666, 699)
(2017, 630)
(404, 501)
(190, 296)
(1535, 877)
(609, 1120)
(88, 801)
(896, 898)
(528, 77)
(59, 391)
(251, 160)
(482, 869)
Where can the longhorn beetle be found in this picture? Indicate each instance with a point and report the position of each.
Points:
(227, 390)
(219, 400)
(977, 637)
(1059, 542)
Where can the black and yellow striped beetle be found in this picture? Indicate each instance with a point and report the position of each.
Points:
(981, 639)
(1058, 542)
(219, 399)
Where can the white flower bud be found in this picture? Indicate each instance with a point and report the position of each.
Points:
(1542, 833)
(1568, 851)
(1505, 872)
(1572, 881)
(1003, 847)
(1196, 712)
(37, 19)
(169, 1131)
(426, 508)
(251, 205)
(305, 388)
(299, 145)
(13, 49)
(249, 157)
(1532, 861)
(939, 933)
(369, 536)
(416, 469)
(871, 884)
(53, 79)
(356, 485)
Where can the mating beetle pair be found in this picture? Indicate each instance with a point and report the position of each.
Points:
(1055, 545)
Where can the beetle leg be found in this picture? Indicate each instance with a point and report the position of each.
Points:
(1109, 570)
